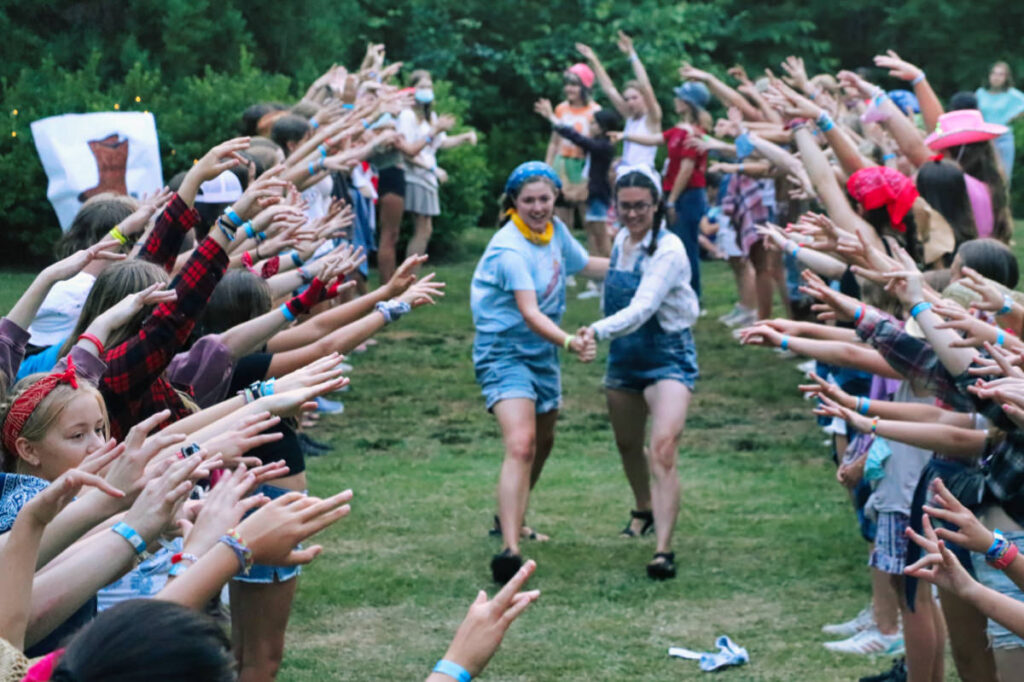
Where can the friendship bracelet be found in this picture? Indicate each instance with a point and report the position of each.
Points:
(858, 314)
(919, 308)
(918, 79)
(784, 344)
(452, 670)
(118, 235)
(92, 338)
(230, 214)
(237, 545)
(288, 314)
(997, 539)
(1003, 562)
(874, 425)
(225, 231)
(1007, 305)
(131, 535)
(392, 310)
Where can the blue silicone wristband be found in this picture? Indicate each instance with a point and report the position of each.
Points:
(920, 308)
(296, 259)
(865, 406)
(784, 344)
(1000, 337)
(249, 232)
(453, 670)
(288, 315)
(131, 535)
(232, 216)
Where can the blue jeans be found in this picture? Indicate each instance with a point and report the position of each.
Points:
(690, 208)
(1005, 149)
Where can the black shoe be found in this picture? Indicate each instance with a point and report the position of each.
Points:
(505, 565)
(312, 448)
(646, 516)
(898, 673)
(663, 566)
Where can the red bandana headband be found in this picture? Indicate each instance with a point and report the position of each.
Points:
(26, 403)
(881, 186)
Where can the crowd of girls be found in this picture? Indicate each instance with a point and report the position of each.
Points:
(154, 379)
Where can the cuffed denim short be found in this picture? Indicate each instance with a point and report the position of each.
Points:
(263, 574)
(669, 356)
(998, 636)
(517, 364)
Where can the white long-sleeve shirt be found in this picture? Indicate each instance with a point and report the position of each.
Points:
(664, 287)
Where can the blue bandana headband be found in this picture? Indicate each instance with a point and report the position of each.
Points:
(530, 169)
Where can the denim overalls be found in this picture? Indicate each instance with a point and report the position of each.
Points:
(649, 354)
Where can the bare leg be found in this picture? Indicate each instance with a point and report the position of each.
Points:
(763, 282)
(545, 442)
(967, 639)
(391, 208)
(778, 271)
(597, 238)
(423, 227)
(924, 648)
(667, 402)
(565, 214)
(743, 273)
(885, 603)
(628, 414)
(259, 618)
(518, 421)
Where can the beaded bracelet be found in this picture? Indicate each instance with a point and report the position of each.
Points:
(183, 556)
(237, 545)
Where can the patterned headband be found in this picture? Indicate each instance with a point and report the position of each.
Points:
(623, 170)
(530, 169)
(26, 403)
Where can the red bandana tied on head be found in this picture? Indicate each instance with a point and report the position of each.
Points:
(880, 186)
(26, 403)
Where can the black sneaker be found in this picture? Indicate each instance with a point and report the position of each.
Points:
(898, 673)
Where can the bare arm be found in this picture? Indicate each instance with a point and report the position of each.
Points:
(682, 180)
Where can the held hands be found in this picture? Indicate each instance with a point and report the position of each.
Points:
(584, 344)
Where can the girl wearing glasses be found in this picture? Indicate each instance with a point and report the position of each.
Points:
(652, 359)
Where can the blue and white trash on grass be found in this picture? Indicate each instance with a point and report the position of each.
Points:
(729, 654)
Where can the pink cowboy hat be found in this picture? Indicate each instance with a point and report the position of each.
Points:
(963, 126)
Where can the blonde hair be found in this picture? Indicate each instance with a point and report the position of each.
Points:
(47, 412)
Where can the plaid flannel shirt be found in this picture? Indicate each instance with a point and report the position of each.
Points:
(134, 386)
(164, 242)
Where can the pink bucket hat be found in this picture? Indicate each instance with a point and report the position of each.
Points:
(963, 126)
(584, 73)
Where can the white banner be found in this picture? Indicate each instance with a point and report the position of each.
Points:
(85, 154)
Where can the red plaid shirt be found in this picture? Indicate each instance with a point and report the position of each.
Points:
(134, 386)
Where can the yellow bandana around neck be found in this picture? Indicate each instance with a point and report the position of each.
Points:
(541, 239)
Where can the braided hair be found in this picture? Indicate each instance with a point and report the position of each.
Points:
(642, 180)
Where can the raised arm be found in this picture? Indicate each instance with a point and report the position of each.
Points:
(654, 114)
(931, 107)
(604, 79)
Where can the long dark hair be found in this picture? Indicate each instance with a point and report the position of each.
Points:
(992, 259)
(239, 296)
(942, 185)
(642, 180)
(176, 643)
(94, 220)
(979, 160)
(879, 219)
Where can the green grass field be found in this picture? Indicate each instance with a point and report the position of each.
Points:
(766, 543)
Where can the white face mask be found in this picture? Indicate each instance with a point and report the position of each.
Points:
(424, 95)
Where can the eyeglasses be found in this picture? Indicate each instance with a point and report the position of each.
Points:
(638, 207)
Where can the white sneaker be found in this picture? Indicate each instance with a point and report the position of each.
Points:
(869, 642)
(736, 310)
(570, 281)
(807, 368)
(745, 318)
(590, 292)
(862, 621)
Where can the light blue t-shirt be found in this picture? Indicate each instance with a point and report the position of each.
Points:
(510, 264)
(1000, 107)
(43, 361)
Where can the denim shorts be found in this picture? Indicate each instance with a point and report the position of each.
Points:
(597, 210)
(998, 636)
(669, 356)
(517, 364)
(890, 552)
(260, 573)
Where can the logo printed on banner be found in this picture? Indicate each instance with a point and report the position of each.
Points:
(89, 154)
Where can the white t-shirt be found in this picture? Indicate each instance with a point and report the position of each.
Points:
(59, 312)
(318, 197)
(414, 130)
(633, 153)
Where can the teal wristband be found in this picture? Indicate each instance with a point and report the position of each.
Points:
(920, 308)
(796, 250)
(288, 315)
(312, 170)
(1007, 305)
(452, 670)
(230, 214)
(249, 232)
(130, 534)
(1000, 337)
(888, 157)
(784, 344)
(864, 405)
(323, 150)
(177, 569)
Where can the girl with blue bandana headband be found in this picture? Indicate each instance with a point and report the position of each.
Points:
(517, 299)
